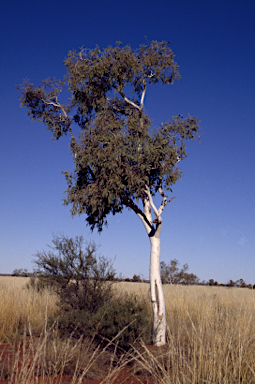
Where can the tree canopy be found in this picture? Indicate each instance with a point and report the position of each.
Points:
(119, 156)
(171, 274)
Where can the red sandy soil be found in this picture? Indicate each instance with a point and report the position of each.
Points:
(124, 377)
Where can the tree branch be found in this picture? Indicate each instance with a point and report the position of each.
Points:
(55, 104)
(130, 204)
(58, 105)
(151, 75)
(147, 191)
(142, 98)
(130, 102)
(164, 200)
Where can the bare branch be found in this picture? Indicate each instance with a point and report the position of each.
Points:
(147, 191)
(164, 200)
(142, 98)
(162, 193)
(130, 102)
(55, 104)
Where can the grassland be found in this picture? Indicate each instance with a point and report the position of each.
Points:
(21, 308)
(211, 334)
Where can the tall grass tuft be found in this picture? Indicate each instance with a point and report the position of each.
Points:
(211, 338)
(20, 307)
(48, 359)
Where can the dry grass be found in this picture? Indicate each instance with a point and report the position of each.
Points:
(211, 334)
(20, 307)
(40, 355)
(211, 337)
(48, 359)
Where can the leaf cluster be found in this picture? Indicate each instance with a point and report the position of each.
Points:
(43, 106)
(93, 73)
(118, 154)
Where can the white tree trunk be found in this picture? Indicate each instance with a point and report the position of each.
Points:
(157, 295)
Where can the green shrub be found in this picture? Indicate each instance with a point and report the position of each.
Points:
(127, 318)
(83, 283)
(80, 277)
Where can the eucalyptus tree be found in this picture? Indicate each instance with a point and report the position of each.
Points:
(121, 160)
(171, 274)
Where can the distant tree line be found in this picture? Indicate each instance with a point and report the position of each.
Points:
(22, 272)
(231, 283)
(170, 274)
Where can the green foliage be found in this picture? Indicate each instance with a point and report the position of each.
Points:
(129, 313)
(125, 320)
(80, 277)
(171, 274)
(136, 278)
(83, 282)
(118, 154)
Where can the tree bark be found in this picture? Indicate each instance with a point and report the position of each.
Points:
(157, 295)
(156, 288)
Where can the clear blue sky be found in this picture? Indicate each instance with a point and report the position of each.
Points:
(211, 223)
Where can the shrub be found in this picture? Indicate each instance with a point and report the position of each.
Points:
(83, 282)
(123, 319)
(136, 279)
(129, 317)
(80, 277)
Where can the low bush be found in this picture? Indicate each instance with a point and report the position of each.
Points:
(129, 318)
(123, 320)
(88, 308)
(80, 277)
